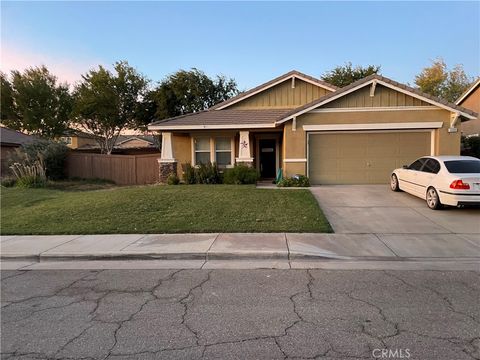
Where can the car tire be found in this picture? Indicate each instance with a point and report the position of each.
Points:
(394, 183)
(433, 200)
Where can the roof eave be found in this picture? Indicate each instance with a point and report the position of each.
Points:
(365, 82)
(212, 127)
(468, 92)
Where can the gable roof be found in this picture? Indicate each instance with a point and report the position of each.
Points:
(14, 138)
(471, 89)
(271, 83)
(125, 139)
(385, 82)
(225, 119)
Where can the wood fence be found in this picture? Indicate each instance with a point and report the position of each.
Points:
(122, 169)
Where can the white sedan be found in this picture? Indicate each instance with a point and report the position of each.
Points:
(440, 180)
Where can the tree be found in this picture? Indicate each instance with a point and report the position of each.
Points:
(7, 112)
(346, 74)
(438, 81)
(189, 91)
(35, 102)
(106, 102)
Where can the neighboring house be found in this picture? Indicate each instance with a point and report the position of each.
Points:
(471, 100)
(9, 141)
(135, 142)
(75, 139)
(302, 125)
(125, 144)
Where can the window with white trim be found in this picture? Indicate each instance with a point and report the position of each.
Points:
(202, 150)
(223, 151)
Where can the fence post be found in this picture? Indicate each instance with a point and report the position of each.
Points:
(91, 166)
(135, 169)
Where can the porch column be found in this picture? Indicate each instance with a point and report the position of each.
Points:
(167, 164)
(244, 153)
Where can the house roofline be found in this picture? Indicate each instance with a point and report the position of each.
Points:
(468, 92)
(382, 81)
(271, 83)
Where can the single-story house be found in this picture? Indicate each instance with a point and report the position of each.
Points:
(9, 141)
(75, 139)
(354, 135)
(125, 144)
(470, 99)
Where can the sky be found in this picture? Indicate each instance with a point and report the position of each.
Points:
(252, 42)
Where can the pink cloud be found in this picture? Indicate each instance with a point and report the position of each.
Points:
(66, 69)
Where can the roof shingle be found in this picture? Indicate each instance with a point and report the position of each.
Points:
(224, 117)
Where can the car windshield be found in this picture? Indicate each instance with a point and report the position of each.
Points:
(463, 166)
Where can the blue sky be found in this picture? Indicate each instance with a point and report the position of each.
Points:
(250, 41)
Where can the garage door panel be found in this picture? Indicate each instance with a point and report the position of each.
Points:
(363, 158)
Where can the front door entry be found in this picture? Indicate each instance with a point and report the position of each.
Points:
(268, 156)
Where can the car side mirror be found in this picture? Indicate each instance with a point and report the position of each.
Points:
(405, 167)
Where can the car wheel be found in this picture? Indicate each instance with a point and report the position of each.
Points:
(394, 183)
(433, 201)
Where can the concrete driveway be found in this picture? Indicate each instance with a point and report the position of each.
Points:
(403, 222)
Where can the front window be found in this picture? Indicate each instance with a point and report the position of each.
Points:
(202, 150)
(223, 151)
(463, 166)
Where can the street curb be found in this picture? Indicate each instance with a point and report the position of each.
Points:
(221, 256)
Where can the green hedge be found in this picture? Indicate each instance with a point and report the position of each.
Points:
(240, 174)
(210, 174)
(294, 181)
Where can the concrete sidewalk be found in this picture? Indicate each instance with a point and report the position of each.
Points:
(246, 246)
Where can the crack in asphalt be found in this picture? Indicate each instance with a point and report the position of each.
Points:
(438, 294)
(190, 298)
(192, 293)
(56, 293)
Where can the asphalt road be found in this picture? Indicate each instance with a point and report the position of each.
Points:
(240, 314)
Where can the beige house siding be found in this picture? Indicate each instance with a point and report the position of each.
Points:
(283, 96)
(472, 102)
(182, 145)
(182, 151)
(295, 142)
(79, 141)
(384, 96)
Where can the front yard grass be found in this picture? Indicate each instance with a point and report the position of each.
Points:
(159, 209)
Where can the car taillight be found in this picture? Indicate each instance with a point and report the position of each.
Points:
(459, 185)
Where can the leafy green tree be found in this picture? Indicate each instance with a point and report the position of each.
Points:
(35, 102)
(346, 74)
(7, 111)
(438, 80)
(189, 91)
(106, 102)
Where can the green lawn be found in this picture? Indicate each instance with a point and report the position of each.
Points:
(159, 209)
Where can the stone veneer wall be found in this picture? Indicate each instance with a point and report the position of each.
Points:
(166, 168)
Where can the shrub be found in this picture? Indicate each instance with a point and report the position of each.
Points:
(173, 179)
(188, 173)
(207, 174)
(8, 182)
(471, 146)
(31, 181)
(240, 174)
(294, 181)
(53, 156)
(29, 175)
